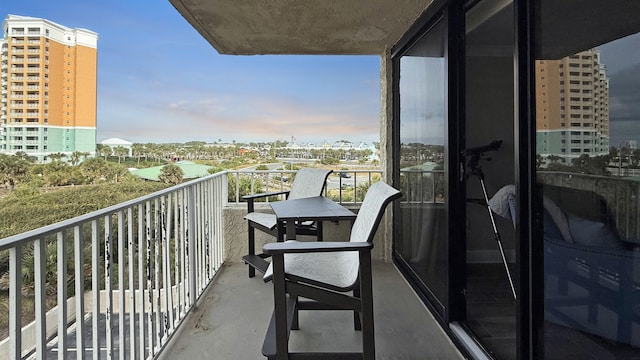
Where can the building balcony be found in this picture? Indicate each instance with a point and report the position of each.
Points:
(161, 277)
(162, 273)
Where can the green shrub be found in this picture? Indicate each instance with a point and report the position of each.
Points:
(25, 210)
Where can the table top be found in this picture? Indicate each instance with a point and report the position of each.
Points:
(318, 208)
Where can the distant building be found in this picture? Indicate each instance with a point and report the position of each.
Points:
(49, 87)
(117, 142)
(572, 106)
(374, 152)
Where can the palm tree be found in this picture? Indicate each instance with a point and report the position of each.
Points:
(138, 150)
(554, 158)
(12, 168)
(23, 155)
(77, 156)
(57, 156)
(104, 150)
(120, 152)
(95, 169)
(171, 174)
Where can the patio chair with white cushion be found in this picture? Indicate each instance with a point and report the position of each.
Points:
(324, 274)
(308, 182)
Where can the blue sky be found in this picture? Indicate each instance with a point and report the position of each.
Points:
(160, 81)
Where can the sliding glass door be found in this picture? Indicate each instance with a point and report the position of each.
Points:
(490, 294)
(587, 98)
(421, 242)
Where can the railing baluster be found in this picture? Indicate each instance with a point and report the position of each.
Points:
(79, 290)
(132, 290)
(141, 281)
(39, 265)
(207, 233)
(178, 260)
(198, 237)
(166, 265)
(213, 225)
(121, 286)
(164, 224)
(95, 286)
(156, 271)
(252, 180)
(237, 173)
(61, 267)
(183, 250)
(149, 273)
(191, 241)
(108, 285)
(201, 239)
(267, 183)
(433, 189)
(15, 301)
(355, 187)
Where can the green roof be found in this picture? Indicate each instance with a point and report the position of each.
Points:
(190, 170)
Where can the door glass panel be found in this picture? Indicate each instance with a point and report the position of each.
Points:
(489, 173)
(422, 240)
(587, 74)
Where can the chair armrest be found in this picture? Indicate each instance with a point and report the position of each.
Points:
(314, 246)
(262, 195)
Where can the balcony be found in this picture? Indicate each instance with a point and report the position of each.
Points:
(161, 277)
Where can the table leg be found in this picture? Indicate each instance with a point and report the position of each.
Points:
(291, 230)
(281, 229)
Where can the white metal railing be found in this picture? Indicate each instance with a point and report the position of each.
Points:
(350, 187)
(422, 186)
(622, 196)
(125, 276)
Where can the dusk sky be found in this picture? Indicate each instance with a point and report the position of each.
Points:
(160, 81)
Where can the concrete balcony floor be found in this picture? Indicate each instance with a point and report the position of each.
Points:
(232, 317)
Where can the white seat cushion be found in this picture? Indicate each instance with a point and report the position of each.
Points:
(266, 220)
(339, 269)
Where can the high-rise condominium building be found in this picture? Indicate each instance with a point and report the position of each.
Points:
(572, 97)
(49, 84)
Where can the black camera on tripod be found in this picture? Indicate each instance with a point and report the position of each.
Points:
(477, 153)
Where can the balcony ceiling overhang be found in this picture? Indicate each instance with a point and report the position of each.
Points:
(252, 27)
(570, 26)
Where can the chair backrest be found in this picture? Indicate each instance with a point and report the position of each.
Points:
(370, 214)
(308, 182)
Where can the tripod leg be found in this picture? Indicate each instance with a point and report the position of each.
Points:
(497, 236)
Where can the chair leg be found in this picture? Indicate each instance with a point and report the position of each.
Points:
(252, 249)
(295, 325)
(366, 301)
(357, 324)
(280, 308)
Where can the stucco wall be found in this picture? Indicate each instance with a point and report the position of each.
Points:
(386, 141)
(235, 233)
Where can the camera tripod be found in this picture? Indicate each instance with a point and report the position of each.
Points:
(474, 168)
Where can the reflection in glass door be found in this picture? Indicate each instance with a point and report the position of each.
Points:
(587, 74)
(489, 174)
(421, 225)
